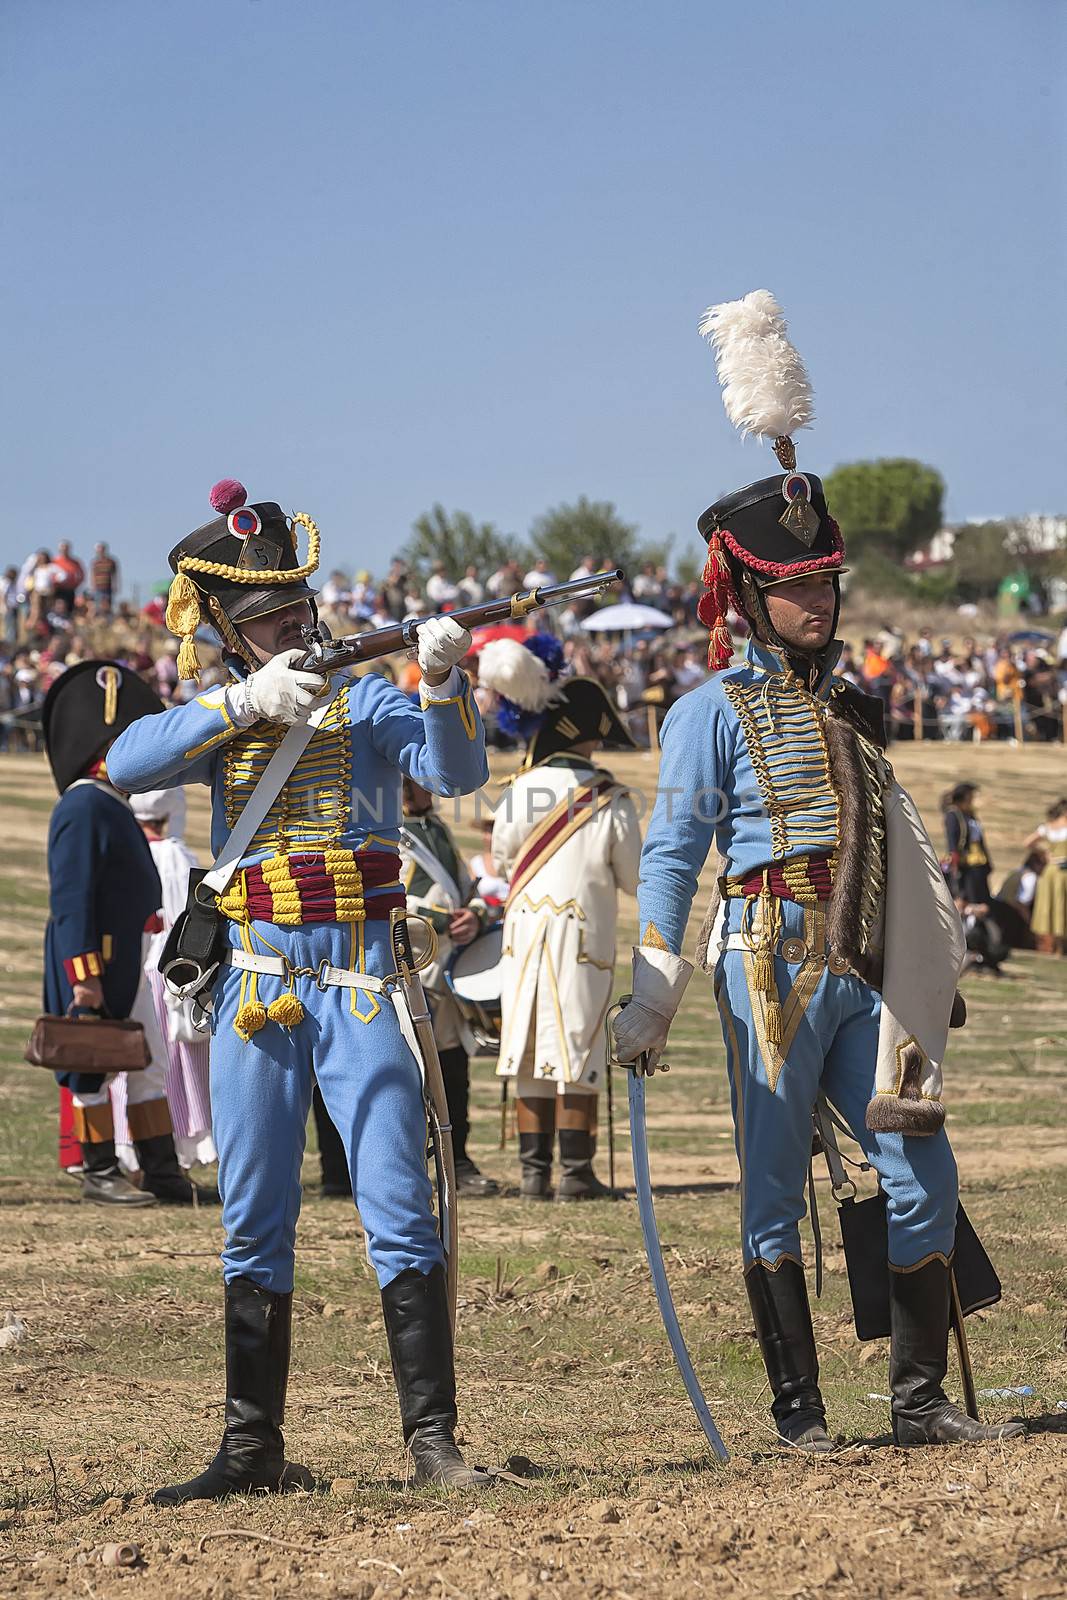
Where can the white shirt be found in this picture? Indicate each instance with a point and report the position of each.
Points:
(439, 590)
(537, 580)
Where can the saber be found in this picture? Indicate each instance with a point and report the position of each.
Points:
(611, 1130)
(503, 1114)
(637, 1072)
(413, 1008)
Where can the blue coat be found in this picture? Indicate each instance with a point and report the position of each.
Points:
(103, 888)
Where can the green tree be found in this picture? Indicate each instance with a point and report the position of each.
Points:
(985, 553)
(886, 508)
(565, 534)
(688, 567)
(459, 542)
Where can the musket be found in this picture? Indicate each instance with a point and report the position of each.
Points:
(330, 655)
(637, 1071)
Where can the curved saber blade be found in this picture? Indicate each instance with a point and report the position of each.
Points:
(639, 1145)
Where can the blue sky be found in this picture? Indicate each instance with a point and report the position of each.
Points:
(366, 256)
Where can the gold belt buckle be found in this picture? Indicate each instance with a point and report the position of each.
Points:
(794, 950)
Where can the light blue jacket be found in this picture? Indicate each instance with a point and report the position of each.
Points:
(345, 790)
(744, 766)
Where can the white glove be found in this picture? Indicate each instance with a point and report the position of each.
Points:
(659, 980)
(276, 693)
(441, 644)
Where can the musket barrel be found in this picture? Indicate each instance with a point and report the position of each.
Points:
(332, 654)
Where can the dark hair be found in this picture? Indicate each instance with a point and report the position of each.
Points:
(958, 795)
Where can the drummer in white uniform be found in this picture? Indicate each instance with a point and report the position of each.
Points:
(568, 837)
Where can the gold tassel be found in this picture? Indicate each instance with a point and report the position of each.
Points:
(763, 970)
(249, 1019)
(188, 660)
(774, 1021)
(286, 1010)
(183, 617)
(183, 605)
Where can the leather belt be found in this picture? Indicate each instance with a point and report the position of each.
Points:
(794, 949)
(324, 975)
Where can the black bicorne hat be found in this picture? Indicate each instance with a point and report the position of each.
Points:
(581, 712)
(87, 707)
(240, 565)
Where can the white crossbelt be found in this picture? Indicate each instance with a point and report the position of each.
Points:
(275, 776)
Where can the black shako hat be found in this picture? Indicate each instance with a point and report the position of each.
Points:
(778, 528)
(242, 564)
(582, 711)
(86, 707)
(750, 524)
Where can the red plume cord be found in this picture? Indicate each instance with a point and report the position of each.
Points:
(714, 603)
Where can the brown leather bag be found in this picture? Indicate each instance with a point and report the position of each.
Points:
(88, 1044)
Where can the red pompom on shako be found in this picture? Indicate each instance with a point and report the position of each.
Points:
(227, 495)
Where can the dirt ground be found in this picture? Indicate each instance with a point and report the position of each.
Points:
(114, 1383)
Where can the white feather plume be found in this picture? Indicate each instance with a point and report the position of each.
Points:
(765, 388)
(509, 669)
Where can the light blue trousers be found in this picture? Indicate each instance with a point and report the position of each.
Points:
(829, 1044)
(370, 1081)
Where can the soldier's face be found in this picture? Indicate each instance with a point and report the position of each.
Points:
(802, 612)
(279, 630)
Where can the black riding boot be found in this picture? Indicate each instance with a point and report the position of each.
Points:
(333, 1162)
(576, 1117)
(536, 1118)
(782, 1316)
(164, 1177)
(102, 1178)
(415, 1306)
(455, 1070)
(252, 1453)
(918, 1360)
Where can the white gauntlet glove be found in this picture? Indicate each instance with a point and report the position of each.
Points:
(644, 1022)
(442, 643)
(276, 693)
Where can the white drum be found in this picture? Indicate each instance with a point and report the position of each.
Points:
(473, 979)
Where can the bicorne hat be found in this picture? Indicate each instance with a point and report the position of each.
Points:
(242, 564)
(87, 707)
(778, 528)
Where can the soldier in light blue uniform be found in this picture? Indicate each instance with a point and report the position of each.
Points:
(779, 764)
(310, 905)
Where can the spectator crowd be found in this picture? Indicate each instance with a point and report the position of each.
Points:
(57, 610)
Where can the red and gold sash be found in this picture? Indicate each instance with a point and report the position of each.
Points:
(561, 823)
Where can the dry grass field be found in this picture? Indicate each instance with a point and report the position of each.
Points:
(117, 1384)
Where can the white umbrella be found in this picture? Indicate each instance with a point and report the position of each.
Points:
(626, 618)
